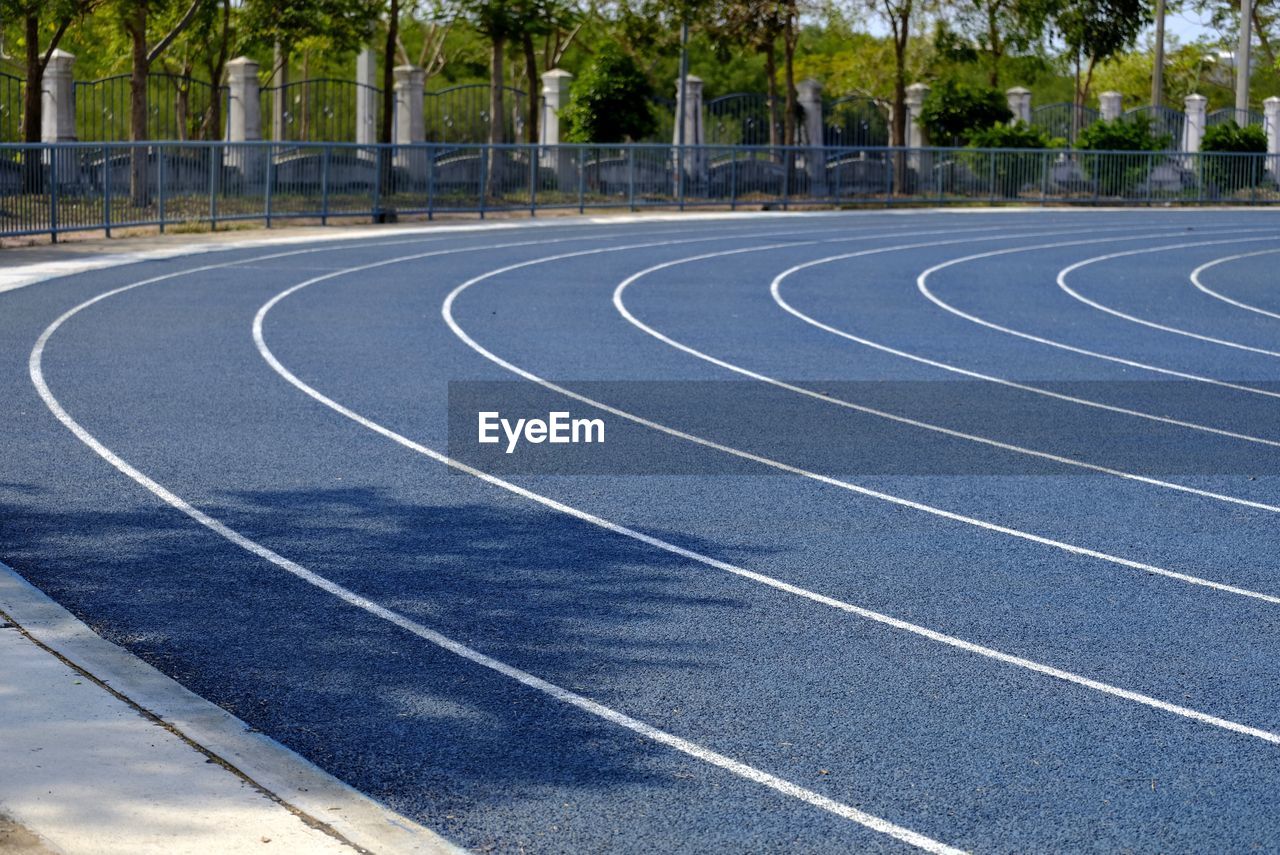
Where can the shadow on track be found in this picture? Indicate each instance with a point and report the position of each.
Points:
(435, 737)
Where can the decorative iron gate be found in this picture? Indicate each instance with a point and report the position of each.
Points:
(743, 118)
(460, 114)
(1064, 120)
(319, 110)
(855, 121)
(178, 108)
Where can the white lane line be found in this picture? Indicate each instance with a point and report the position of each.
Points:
(1067, 271)
(1196, 281)
(743, 770)
(775, 290)
(717, 564)
(447, 312)
(620, 305)
(922, 284)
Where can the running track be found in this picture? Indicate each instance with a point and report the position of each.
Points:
(234, 465)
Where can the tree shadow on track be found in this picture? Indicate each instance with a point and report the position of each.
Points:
(460, 747)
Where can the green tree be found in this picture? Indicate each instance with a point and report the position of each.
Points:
(952, 111)
(37, 16)
(756, 25)
(610, 101)
(1097, 30)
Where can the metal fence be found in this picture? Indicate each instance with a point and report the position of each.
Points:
(52, 189)
(1064, 120)
(11, 92)
(460, 114)
(319, 109)
(178, 108)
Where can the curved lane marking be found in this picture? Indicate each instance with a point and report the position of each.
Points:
(922, 284)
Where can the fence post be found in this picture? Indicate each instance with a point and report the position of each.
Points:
(53, 196)
(582, 176)
(1110, 106)
(366, 97)
(431, 181)
(244, 114)
(810, 101)
(485, 160)
(689, 120)
(916, 137)
(787, 162)
(324, 182)
(1019, 99)
(555, 95)
(1194, 125)
(266, 195)
(631, 178)
(160, 184)
(533, 180)
(733, 181)
(57, 99)
(1271, 119)
(410, 125)
(213, 188)
(106, 188)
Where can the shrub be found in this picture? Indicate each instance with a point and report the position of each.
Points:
(1118, 173)
(1010, 171)
(1239, 161)
(1133, 134)
(952, 111)
(610, 101)
(1017, 135)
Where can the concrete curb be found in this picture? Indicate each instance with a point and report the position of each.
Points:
(318, 797)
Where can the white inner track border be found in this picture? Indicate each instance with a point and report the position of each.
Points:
(1196, 281)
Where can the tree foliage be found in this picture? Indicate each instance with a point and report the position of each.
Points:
(610, 102)
(953, 111)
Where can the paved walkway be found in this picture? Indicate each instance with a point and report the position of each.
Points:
(84, 771)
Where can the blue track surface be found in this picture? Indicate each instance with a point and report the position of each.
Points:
(783, 652)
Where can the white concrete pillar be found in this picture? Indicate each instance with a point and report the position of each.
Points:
(1271, 121)
(809, 96)
(244, 118)
(411, 82)
(244, 113)
(1019, 99)
(1111, 106)
(1193, 128)
(410, 127)
(555, 96)
(366, 97)
(916, 93)
(689, 111)
(58, 107)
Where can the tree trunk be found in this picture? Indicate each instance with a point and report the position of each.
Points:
(136, 24)
(993, 44)
(531, 71)
(497, 123)
(771, 84)
(789, 35)
(497, 114)
(31, 96)
(33, 165)
(388, 105)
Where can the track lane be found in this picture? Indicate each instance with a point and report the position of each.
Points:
(331, 528)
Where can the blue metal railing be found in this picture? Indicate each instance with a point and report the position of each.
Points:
(58, 188)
